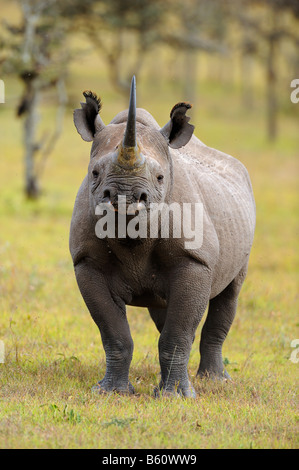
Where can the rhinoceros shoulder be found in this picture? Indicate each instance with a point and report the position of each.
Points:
(210, 161)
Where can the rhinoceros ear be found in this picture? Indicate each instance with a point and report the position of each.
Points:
(87, 120)
(178, 131)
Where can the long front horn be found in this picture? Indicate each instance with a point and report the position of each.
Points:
(129, 155)
(130, 134)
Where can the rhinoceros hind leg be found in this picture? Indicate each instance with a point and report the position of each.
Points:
(221, 313)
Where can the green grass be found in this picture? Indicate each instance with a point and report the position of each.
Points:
(53, 351)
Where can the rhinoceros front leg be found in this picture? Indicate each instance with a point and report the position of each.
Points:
(188, 297)
(110, 317)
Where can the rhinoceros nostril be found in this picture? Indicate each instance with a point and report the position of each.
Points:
(143, 197)
(107, 195)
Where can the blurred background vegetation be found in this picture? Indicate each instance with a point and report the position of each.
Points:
(235, 61)
(51, 50)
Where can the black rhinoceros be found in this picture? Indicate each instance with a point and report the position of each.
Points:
(147, 167)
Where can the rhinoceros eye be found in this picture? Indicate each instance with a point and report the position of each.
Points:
(160, 178)
(95, 173)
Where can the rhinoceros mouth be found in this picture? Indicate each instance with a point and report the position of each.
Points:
(123, 206)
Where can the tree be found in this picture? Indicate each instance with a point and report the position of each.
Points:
(146, 23)
(123, 31)
(201, 28)
(265, 21)
(33, 53)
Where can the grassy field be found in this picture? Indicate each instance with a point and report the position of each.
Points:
(53, 351)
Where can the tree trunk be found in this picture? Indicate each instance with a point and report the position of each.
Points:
(271, 93)
(271, 81)
(247, 86)
(32, 189)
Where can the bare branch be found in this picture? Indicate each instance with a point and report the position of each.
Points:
(188, 42)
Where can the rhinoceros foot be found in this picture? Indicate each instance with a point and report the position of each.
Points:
(103, 387)
(221, 375)
(176, 392)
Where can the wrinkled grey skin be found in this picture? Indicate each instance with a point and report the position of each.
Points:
(175, 284)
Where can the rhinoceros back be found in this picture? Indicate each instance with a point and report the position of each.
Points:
(221, 183)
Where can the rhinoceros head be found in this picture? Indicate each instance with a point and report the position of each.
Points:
(130, 156)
